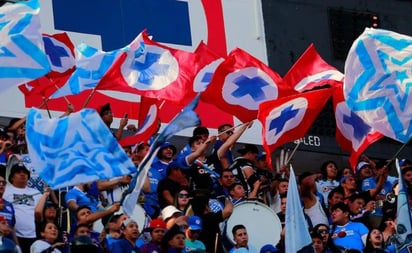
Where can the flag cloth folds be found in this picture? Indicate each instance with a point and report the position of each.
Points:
(311, 71)
(75, 149)
(378, 79)
(91, 66)
(404, 226)
(241, 83)
(297, 235)
(153, 70)
(22, 57)
(352, 134)
(185, 119)
(289, 118)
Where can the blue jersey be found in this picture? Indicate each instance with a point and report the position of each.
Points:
(370, 183)
(151, 205)
(324, 187)
(352, 239)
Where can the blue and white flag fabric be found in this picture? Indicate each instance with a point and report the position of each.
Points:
(22, 55)
(91, 65)
(404, 227)
(75, 149)
(185, 119)
(297, 235)
(377, 85)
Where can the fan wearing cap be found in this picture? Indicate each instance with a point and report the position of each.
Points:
(6, 244)
(157, 229)
(25, 200)
(192, 242)
(6, 209)
(345, 233)
(269, 248)
(244, 166)
(127, 242)
(174, 240)
(107, 116)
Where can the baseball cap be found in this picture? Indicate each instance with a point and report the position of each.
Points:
(194, 222)
(261, 155)
(157, 223)
(16, 168)
(167, 145)
(361, 165)
(127, 222)
(169, 211)
(268, 248)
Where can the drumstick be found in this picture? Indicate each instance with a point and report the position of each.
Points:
(229, 129)
(293, 152)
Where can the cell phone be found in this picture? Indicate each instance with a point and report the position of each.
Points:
(126, 115)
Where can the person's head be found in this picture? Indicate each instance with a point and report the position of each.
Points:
(237, 191)
(374, 239)
(249, 151)
(317, 242)
(329, 170)
(335, 196)
(283, 186)
(227, 178)
(182, 198)
(157, 228)
(82, 229)
(195, 142)
(356, 204)
(174, 238)
(240, 235)
(340, 214)
(407, 175)
(200, 205)
(82, 213)
(49, 232)
(269, 248)
(323, 230)
(283, 200)
(174, 172)
(261, 162)
(106, 114)
(169, 214)
(201, 131)
(4, 226)
(225, 131)
(364, 170)
(19, 175)
(83, 244)
(307, 178)
(130, 230)
(50, 211)
(140, 152)
(3, 184)
(166, 152)
(348, 183)
(194, 227)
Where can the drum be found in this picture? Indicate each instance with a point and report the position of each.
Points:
(138, 215)
(262, 224)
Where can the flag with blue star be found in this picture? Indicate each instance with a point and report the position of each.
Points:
(22, 55)
(75, 149)
(241, 83)
(378, 81)
(311, 71)
(353, 135)
(153, 70)
(289, 118)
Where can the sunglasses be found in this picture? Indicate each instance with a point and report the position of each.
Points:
(321, 231)
(183, 195)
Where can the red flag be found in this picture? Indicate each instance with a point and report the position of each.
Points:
(153, 70)
(289, 118)
(352, 133)
(242, 82)
(311, 71)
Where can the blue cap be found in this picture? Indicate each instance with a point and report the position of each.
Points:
(194, 222)
(261, 155)
(269, 248)
(167, 145)
(361, 165)
(343, 179)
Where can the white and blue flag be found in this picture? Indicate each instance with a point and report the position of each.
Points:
(75, 149)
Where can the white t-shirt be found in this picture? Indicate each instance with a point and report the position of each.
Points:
(40, 245)
(24, 202)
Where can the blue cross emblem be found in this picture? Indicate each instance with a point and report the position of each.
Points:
(150, 68)
(360, 129)
(250, 86)
(54, 52)
(279, 123)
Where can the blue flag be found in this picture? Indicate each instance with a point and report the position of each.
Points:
(185, 119)
(404, 227)
(74, 149)
(297, 235)
(22, 55)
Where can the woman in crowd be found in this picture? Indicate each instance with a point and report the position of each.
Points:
(48, 242)
(323, 230)
(329, 171)
(375, 243)
(182, 200)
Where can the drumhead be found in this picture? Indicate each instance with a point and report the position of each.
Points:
(262, 224)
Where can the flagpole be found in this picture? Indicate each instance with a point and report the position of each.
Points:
(232, 128)
(47, 107)
(88, 98)
(293, 152)
(397, 153)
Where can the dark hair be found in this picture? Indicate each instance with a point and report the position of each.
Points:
(237, 227)
(81, 225)
(222, 127)
(194, 139)
(369, 247)
(335, 190)
(342, 206)
(200, 130)
(82, 207)
(324, 167)
(304, 175)
(44, 224)
(232, 186)
(199, 205)
(354, 197)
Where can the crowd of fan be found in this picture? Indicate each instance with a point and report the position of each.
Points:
(187, 197)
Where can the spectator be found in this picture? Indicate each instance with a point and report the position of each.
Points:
(170, 186)
(157, 229)
(174, 240)
(6, 244)
(182, 200)
(83, 244)
(7, 210)
(199, 131)
(25, 200)
(79, 196)
(238, 194)
(226, 180)
(317, 243)
(107, 116)
(127, 242)
(280, 187)
(376, 244)
(170, 214)
(241, 239)
(48, 242)
(327, 183)
(193, 245)
(323, 231)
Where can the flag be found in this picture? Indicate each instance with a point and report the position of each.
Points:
(91, 65)
(289, 118)
(185, 119)
(22, 57)
(75, 149)
(297, 235)
(377, 84)
(352, 134)
(241, 82)
(153, 70)
(311, 71)
(148, 128)
(146, 104)
(404, 226)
